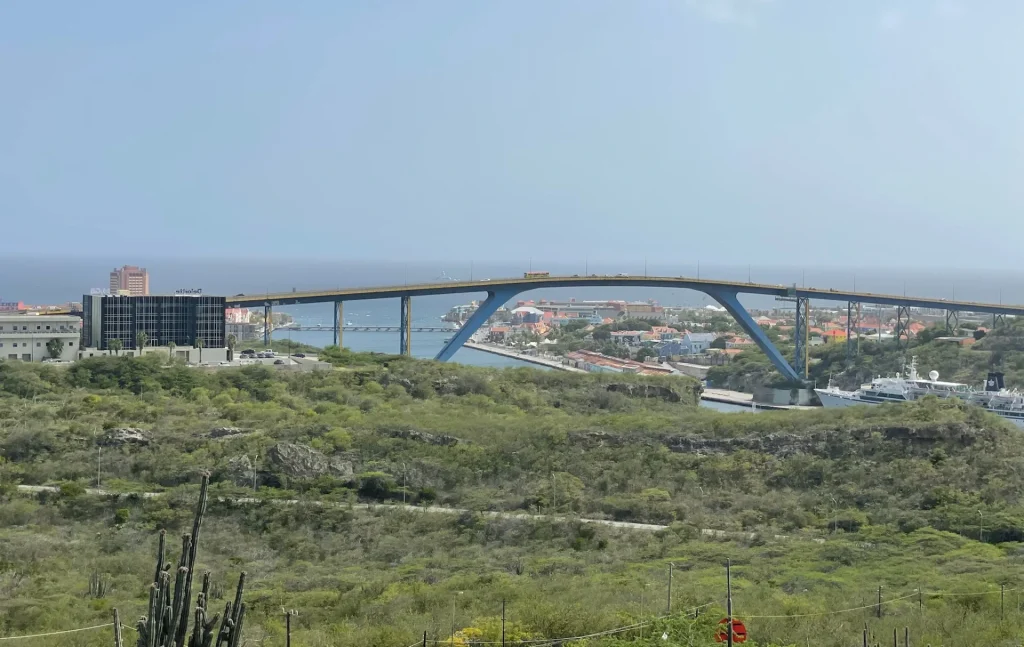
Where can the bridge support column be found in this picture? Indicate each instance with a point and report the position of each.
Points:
(952, 320)
(268, 318)
(494, 300)
(730, 301)
(339, 321)
(801, 336)
(405, 327)
(902, 331)
(849, 330)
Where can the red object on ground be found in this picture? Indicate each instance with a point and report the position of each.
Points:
(739, 631)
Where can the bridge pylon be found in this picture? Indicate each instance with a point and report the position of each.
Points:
(339, 321)
(729, 300)
(405, 327)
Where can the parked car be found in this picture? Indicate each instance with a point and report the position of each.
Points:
(279, 361)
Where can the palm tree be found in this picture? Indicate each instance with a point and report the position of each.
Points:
(115, 345)
(170, 349)
(232, 342)
(140, 341)
(199, 345)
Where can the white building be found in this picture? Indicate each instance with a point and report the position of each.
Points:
(25, 337)
(187, 354)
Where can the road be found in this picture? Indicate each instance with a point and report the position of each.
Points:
(495, 514)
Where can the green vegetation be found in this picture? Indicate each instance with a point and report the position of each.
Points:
(1002, 349)
(817, 509)
(54, 348)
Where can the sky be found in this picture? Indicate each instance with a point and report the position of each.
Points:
(836, 133)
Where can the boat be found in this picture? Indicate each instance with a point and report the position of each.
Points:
(994, 397)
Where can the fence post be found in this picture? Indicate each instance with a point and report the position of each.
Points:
(668, 610)
(288, 629)
(1002, 597)
(424, 639)
(503, 622)
(878, 607)
(865, 635)
(117, 630)
(906, 637)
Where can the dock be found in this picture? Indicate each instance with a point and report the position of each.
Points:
(504, 351)
(746, 400)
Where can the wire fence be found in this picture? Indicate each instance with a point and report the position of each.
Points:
(546, 642)
(67, 631)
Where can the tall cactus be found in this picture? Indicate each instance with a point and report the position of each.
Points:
(166, 623)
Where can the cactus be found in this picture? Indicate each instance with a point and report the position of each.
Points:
(166, 623)
(97, 586)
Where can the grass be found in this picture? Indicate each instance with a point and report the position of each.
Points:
(888, 496)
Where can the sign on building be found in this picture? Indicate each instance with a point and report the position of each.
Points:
(99, 292)
(189, 292)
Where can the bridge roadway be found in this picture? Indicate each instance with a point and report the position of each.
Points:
(500, 291)
(364, 329)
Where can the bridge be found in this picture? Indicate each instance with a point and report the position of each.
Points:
(364, 329)
(726, 293)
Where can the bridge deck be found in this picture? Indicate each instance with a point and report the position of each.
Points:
(524, 284)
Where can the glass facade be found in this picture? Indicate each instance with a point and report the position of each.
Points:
(164, 319)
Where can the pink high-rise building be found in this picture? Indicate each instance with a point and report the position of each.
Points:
(130, 280)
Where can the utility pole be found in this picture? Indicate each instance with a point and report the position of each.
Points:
(668, 607)
(403, 483)
(728, 601)
(503, 622)
(99, 453)
(642, 612)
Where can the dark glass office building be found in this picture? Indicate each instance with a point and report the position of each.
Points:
(164, 319)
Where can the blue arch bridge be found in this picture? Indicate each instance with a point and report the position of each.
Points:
(726, 293)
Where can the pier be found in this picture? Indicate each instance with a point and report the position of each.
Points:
(505, 351)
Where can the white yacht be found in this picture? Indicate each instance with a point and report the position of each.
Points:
(993, 397)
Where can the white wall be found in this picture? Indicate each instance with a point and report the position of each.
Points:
(24, 337)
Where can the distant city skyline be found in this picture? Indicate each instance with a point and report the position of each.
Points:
(770, 132)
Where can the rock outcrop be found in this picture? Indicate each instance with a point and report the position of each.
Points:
(124, 436)
(424, 437)
(239, 471)
(221, 432)
(304, 462)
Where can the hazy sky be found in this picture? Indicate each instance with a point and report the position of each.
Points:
(740, 131)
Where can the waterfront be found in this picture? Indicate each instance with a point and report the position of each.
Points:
(426, 345)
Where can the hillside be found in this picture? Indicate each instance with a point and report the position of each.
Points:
(1001, 349)
(818, 508)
